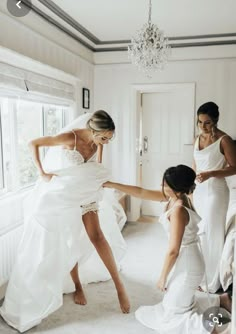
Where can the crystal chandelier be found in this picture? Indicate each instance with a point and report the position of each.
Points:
(149, 49)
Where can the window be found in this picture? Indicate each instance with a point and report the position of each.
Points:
(21, 121)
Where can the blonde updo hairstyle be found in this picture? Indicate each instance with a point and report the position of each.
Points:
(100, 121)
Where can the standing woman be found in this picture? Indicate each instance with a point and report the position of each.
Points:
(62, 224)
(180, 312)
(214, 159)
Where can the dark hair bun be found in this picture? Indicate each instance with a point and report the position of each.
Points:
(181, 179)
(191, 189)
(211, 109)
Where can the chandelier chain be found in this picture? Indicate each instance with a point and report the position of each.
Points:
(150, 13)
(149, 49)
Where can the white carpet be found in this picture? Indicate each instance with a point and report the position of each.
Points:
(140, 269)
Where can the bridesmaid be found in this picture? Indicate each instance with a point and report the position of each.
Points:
(214, 159)
(180, 312)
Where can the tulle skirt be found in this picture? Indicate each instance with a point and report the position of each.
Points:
(54, 240)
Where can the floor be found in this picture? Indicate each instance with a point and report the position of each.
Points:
(146, 246)
(141, 266)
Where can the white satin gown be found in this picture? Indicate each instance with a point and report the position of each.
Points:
(211, 199)
(54, 239)
(181, 309)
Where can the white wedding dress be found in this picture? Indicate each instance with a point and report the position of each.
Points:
(54, 239)
(211, 199)
(181, 309)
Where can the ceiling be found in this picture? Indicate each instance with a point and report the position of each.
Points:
(106, 25)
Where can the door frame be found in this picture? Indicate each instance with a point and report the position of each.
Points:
(135, 141)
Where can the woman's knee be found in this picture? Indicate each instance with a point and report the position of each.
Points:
(96, 236)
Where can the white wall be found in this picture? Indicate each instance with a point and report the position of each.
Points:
(215, 81)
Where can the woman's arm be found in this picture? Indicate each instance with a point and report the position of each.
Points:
(194, 165)
(228, 148)
(153, 195)
(62, 139)
(178, 220)
(99, 153)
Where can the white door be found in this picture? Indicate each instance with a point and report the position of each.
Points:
(167, 136)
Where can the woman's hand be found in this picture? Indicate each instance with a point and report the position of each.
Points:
(107, 184)
(203, 176)
(161, 284)
(47, 176)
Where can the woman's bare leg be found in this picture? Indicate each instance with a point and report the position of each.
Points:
(91, 223)
(79, 296)
(226, 302)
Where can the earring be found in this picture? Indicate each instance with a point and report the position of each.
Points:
(213, 134)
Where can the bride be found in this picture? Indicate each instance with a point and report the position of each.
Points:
(61, 227)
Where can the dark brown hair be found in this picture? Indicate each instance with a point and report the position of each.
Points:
(180, 179)
(211, 109)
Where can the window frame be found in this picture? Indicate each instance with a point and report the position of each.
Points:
(9, 176)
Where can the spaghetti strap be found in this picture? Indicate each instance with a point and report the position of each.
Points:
(173, 207)
(75, 139)
(223, 137)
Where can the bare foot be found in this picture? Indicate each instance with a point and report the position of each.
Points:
(124, 300)
(226, 302)
(79, 297)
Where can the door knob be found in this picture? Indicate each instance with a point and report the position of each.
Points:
(145, 144)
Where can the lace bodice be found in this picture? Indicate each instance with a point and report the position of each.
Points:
(191, 230)
(74, 158)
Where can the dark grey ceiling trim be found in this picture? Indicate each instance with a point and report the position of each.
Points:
(202, 36)
(174, 46)
(179, 38)
(212, 43)
(58, 25)
(66, 18)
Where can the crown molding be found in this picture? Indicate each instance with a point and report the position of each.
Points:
(90, 41)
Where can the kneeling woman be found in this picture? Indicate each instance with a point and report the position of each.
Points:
(180, 310)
